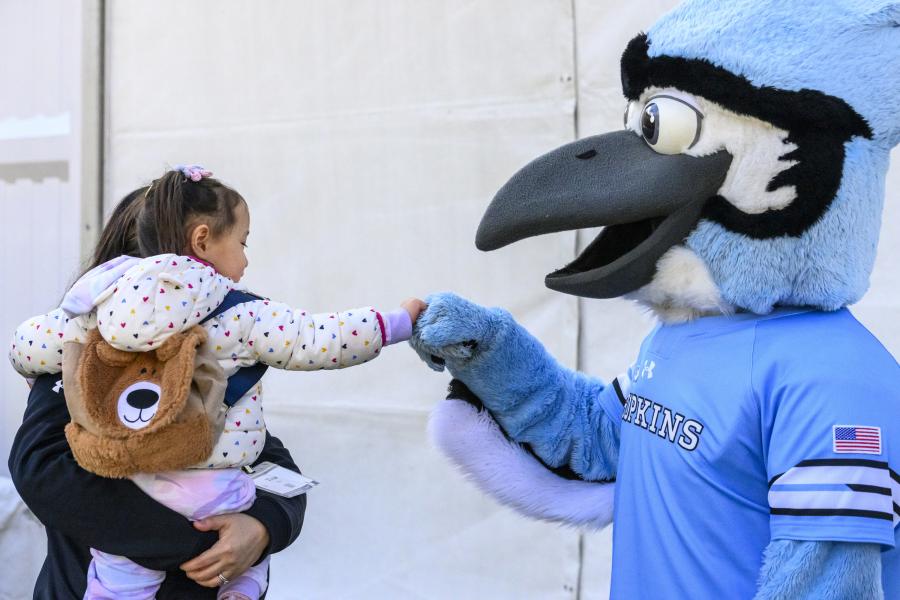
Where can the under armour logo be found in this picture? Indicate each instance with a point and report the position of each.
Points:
(642, 371)
(58, 387)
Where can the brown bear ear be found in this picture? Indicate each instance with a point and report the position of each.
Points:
(113, 357)
(194, 336)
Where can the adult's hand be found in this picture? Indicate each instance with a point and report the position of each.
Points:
(242, 540)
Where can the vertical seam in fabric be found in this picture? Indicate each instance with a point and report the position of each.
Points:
(579, 301)
(101, 107)
(580, 565)
(575, 69)
(758, 399)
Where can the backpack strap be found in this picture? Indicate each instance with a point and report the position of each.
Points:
(232, 299)
(243, 381)
(244, 378)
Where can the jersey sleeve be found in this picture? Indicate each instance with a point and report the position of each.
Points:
(830, 441)
(614, 398)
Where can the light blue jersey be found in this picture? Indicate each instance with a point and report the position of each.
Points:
(739, 430)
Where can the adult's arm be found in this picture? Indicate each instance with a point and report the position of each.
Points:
(114, 515)
(282, 517)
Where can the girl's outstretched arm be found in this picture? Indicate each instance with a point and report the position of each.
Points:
(284, 337)
(162, 295)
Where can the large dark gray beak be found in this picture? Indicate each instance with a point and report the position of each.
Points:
(648, 202)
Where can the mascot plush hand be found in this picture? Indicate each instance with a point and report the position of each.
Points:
(754, 444)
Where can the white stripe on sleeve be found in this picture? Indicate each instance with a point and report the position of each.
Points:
(830, 500)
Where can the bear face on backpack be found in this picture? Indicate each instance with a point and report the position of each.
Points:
(146, 412)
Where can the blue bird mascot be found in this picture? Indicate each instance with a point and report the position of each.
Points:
(752, 449)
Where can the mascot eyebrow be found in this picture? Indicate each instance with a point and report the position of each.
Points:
(817, 123)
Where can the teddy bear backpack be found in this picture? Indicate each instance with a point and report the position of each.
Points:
(153, 411)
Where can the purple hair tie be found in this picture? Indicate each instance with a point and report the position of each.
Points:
(193, 172)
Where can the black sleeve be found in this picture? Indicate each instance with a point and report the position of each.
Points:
(282, 517)
(112, 515)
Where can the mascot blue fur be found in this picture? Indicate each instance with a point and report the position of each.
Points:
(752, 449)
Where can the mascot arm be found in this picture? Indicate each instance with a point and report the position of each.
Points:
(565, 417)
(816, 570)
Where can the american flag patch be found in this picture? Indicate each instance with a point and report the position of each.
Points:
(856, 439)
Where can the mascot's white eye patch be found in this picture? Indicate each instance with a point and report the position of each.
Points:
(138, 404)
(671, 122)
(756, 147)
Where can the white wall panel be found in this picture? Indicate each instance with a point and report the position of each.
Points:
(40, 171)
(391, 520)
(43, 176)
(368, 137)
(879, 309)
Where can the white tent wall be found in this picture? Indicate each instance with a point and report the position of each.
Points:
(49, 130)
(879, 310)
(367, 136)
(43, 167)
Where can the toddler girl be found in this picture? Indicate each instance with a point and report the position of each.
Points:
(194, 230)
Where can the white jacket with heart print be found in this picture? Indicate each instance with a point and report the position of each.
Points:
(143, 302)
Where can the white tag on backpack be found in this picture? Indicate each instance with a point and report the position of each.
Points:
(278, 480)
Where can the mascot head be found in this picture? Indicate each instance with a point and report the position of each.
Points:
(750, 171)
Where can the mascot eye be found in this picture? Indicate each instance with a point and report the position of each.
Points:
(670, 125)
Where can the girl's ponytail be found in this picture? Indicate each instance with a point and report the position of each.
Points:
(119, 236)
(154, 220)
(174, 202)
(161, 226)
